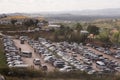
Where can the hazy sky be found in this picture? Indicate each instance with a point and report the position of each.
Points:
(11, 6)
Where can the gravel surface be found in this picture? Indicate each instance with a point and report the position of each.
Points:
(29, 61)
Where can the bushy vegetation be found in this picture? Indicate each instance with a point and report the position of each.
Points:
(16, 74)
(11, 27)
(2, 57)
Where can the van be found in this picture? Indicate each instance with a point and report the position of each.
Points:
(21, 66)
(26, 54)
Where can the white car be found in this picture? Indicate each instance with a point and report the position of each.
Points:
(36, 61)
(91, 72)
(117, 69)
(45, 55)
(18, 62)
(117, 56)
(46, 59)
(87, 61)
(66, 69)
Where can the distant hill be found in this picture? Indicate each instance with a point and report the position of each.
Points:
(83, 15)
(100, 12)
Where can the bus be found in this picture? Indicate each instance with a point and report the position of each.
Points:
(26, 54)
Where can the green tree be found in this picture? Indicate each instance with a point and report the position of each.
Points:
(115, 38)
(62, 29)
(45, 22)
(78, 27)
(36, 22)
(93, 29)
(13, 21)
(29, 22)
(104, 35)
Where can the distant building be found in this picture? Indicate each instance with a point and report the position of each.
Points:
(114, 30)
(5, 22)
(53, 26)
(19, 23)
(84, 32)
(40, 25)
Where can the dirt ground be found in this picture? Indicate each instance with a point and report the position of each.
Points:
(29, 61)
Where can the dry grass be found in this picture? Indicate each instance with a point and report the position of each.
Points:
(15, 17)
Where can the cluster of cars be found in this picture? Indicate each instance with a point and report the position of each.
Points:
(106, 63)
(41, 47)
(67, 57)
(107, 51)
(117, 54)
(66, 61)
(12, 53)
(104, 50)
(69, 53)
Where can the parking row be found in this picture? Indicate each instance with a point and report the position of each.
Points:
(12, 53)
(48, 57)
(108, 51)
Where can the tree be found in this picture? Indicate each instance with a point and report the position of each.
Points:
(13, 21)
(29, 22)
(78, 27)
(67, 32)
(56, 36)
(45, 22)
(62, 29)
(104, 36)
(93, 29)
(115, 38)
(36, 22)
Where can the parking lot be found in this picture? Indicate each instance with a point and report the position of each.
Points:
(29, 61)
(62, 56)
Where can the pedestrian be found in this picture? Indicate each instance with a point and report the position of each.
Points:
(20, 49)
(40, 54)
(35, 50)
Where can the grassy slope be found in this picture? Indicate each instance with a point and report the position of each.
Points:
(2, 57)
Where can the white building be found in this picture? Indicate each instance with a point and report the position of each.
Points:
(53, 26)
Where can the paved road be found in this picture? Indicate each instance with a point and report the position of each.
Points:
(29, 61)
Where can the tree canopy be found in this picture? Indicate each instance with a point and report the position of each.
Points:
(115, 38)
(13, 21)
(78, 27)
(93, 29)
(104, 36)
(31, 22)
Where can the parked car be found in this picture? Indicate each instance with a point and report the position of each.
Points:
(59, 64)
(37, 61)
(117, 56)
(66, 69)
(44, 67)
(100, 65)
(117, 69)
(87, 61)
(26, 54)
